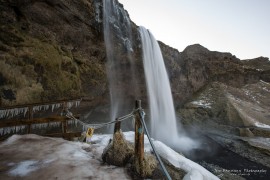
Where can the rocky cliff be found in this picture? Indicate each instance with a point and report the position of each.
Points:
(50, 50)
(55, 50)
(196, 67)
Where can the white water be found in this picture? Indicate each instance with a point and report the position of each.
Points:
(118, 40)
(158, 88)
(162, 114)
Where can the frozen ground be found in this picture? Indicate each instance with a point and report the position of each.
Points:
(36, 157)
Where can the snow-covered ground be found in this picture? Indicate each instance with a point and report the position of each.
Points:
(36, 157)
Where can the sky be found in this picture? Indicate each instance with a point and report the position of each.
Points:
(240, 27)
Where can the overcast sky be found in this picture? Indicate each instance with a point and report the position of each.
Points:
(241, 27)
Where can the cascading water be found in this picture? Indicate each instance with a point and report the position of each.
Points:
(162, 114)
(159, 90)
(117, 37)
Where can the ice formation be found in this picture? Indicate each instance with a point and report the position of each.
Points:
(4, 113)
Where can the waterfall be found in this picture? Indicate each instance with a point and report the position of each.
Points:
(163, 120)
(119, 66)
(163, 124)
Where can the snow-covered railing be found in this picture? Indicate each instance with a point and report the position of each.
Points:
(26, 126)
(12, 111)
(27, 123)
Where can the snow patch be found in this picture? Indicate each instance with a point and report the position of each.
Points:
(23, 168)
(183, 163)
(193, 169)
(193, 175)
(202, 103)
(264, 82)
(78, 154)
(12, 139)
(258, 124)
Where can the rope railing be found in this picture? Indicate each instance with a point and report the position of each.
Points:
(137, 111)
(142, 114)
(100, 125)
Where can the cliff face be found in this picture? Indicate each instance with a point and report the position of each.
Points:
(196, 67)
(55, 50)
(50, 50)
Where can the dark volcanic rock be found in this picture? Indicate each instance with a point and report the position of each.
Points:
(51, 50)
(44, 39)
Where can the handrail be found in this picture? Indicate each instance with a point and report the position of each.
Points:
(141, 114)
(41, 103)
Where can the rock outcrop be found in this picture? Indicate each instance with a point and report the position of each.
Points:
(231, 109)
(50, 50)
(55, 50)
(196, 67)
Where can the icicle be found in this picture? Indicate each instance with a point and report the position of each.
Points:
(58, 105)
(19, 128)
(71, 122)
(40, 125)
(9, 130)
(21, 110)
(14, 112)
(25, 111)
(13, 129)
(2, 113)
(6, 114)
(46, 107)
(11, 112)
(69, 105)
(36, 108)
(53, 107)
(78, 102)
(54, 124)
(17, 111)
(1, 131)
(6, 130)
(23, 127)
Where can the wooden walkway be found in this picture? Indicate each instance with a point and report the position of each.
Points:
(25, 118)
